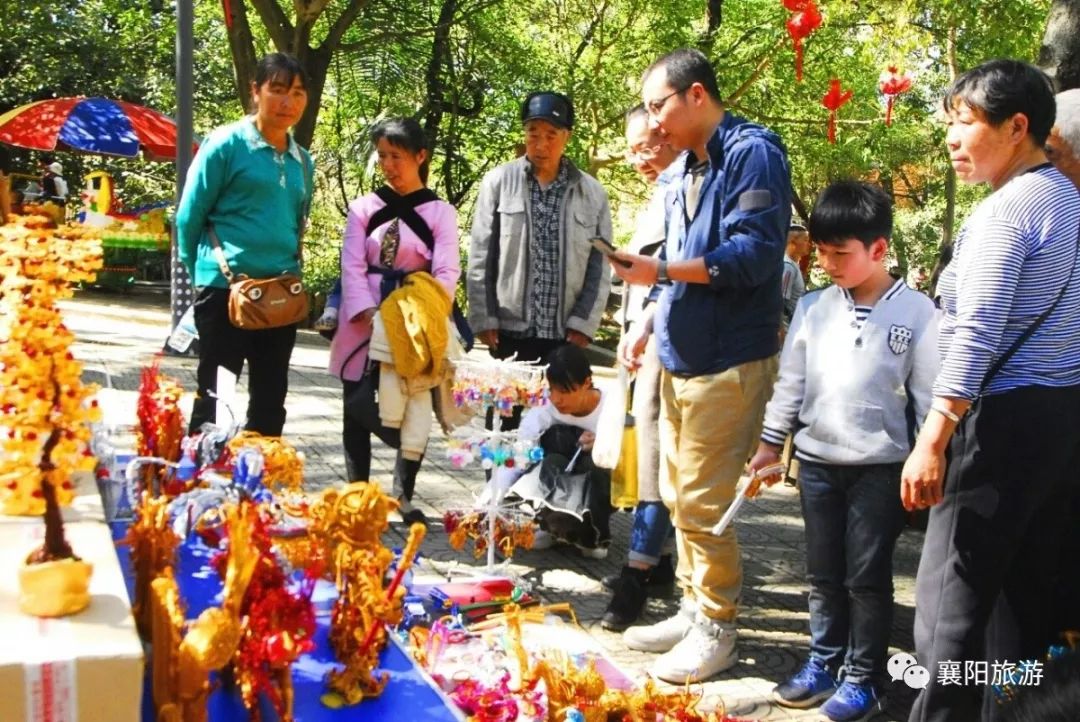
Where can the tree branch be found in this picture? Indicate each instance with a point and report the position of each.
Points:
(763, 63)
(392, 35)
(348, 16)
(242, 46)
(588, 36)
(798, 121)
(276, 22)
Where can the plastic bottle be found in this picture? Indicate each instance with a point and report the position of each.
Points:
(185, 332)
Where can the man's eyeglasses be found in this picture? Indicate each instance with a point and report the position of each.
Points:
(655, 106)
(642, 155)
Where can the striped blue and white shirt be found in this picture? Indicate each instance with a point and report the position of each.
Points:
(1013, 256)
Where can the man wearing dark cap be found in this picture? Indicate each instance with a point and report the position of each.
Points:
(534, 280)
(792, 286)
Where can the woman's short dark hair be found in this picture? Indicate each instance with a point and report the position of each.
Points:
(999, 89)
(280, 67)
(687, 66)
(568, 368)
(404, 133)
(851, 209)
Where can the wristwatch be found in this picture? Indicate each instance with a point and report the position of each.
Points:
(661, 274)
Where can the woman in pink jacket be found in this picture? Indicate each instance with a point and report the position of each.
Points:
(400, 228)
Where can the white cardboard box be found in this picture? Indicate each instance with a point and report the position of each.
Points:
(84, 668)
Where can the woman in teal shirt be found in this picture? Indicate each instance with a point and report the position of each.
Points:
(253, 183)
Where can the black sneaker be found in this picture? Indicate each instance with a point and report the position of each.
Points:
(414, 516)
(627, 600)
(660, 577)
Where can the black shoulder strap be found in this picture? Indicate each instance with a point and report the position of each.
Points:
(404, 208)
(1029, 331)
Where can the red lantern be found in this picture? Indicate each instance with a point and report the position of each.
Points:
(833, 100)
(795, 6)
(799, 26)
(892, 84)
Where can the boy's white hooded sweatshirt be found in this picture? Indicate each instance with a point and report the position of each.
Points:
(851, 394)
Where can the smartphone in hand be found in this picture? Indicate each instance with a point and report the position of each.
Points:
(608, 250)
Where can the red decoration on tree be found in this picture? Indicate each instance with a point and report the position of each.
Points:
(805, 21)
(833, 100)
(892, 84)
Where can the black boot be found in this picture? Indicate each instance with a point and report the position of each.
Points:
(662, 576)
(659, 578)
(627, 600)
(405, 471)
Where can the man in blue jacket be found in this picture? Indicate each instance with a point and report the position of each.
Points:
(716, 320)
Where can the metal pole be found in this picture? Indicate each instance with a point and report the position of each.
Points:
(180, 291)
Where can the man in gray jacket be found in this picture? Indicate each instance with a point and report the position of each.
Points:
(534, 280)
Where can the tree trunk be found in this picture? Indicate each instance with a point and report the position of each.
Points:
(242, 46)
(293, 39)
(56, 546)
(317, 64)
(1059, 55)
(714, 17)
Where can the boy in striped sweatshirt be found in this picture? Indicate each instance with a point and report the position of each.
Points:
(855, 376)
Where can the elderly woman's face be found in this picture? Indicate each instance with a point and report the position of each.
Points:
(981, 152)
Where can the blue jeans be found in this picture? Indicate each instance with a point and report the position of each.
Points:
(652, 533)
(333, 299)
(853, 516)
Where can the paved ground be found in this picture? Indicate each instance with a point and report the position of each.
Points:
(118, 334)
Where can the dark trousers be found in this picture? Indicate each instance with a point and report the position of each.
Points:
(356, 439)
(585, 488)
(853, 516)
(527, 349)
(993, 546)
(266, 351)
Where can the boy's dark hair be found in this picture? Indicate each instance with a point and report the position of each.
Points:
(404, 133)
(282, 68)
(568, 368)
(999, 89)
(684, 67)
(851, 209)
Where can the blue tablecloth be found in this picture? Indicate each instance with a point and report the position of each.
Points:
(409, 695)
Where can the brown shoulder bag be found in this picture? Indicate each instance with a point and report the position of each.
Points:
(258, 303)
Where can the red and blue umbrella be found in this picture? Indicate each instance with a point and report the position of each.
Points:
(90, 125)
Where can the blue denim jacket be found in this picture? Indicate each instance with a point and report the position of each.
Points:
(740, 228)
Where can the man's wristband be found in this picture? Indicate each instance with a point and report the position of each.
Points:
(661, 273)
(941, 409)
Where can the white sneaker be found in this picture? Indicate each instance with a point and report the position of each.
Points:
(542, 540)
(707, 649)
(592, 552)
(328, 320)
(663, 635)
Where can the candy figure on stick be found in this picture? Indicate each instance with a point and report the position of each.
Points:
(892, 84)
(834, 100)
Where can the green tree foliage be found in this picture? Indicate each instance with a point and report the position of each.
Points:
(463, 66)
(111, 49)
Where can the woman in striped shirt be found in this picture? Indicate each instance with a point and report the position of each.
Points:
(996, 456)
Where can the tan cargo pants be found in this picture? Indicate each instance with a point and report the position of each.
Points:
(709, 427)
